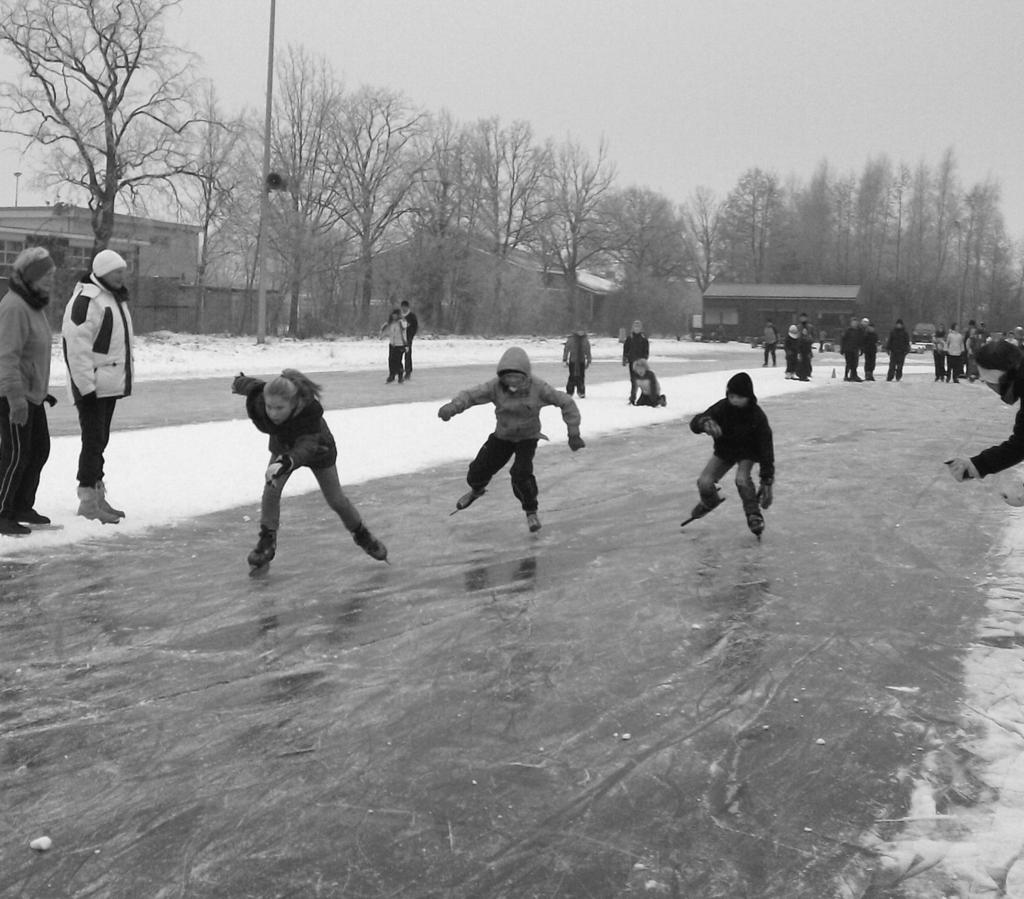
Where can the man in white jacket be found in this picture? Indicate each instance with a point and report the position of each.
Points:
(97, 339)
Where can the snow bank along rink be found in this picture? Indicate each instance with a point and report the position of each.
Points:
(170, 475)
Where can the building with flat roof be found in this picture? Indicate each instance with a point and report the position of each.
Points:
(739, 311)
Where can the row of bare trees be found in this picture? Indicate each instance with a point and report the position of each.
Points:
(379, 200)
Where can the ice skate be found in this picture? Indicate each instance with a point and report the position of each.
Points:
(467, 499)
(701, 509)
(34, 519)
(11, 528)
(755, 521)
(266, 548)
(369, 544)
(532, 522)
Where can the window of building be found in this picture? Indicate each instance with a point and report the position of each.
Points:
(728, 315)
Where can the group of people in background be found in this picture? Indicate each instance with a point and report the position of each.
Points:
(955, 353)
(97, 347)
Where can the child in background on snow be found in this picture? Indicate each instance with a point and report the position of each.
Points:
(518, 398)
(742, 437)
(576, 355)
(288, 409)
(791, 347)
(647, 383)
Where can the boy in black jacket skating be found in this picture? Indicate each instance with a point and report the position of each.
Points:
(742, 437)
(288, 409)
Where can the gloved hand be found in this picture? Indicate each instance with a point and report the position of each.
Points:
(50, 400)
(87, 399)
(576, 442)
(712, 428)
(236, 384)
(764, 494)
(278, 468)
(962, 469)
(19, 410)
(447, 411)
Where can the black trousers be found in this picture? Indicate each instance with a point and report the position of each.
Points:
(895, 367)
(24, 450)
(577, 379)
(769, 350)
(852, 359)
(869, 364)
(94, 418)
(494, 455)
(396, 355)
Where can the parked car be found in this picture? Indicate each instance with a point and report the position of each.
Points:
(922, 338)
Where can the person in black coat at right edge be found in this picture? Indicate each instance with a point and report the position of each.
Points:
(898, 346)
(1001, 367)
(742, 437)
(635, 346)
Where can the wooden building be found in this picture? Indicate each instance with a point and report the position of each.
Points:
(739, 311)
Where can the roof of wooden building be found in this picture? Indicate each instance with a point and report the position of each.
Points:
(783, 291)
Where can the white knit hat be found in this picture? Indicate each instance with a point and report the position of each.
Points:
(107, 261)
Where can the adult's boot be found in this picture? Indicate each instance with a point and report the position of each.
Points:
(101, 491)
(89, 506)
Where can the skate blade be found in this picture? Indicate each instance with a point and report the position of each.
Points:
(259, 570)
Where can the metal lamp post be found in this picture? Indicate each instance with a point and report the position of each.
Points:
(261, 301)
(17, 184)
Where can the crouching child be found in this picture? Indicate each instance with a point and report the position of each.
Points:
(288, 409)
(518, 398)
(648, 387)
(742, 436)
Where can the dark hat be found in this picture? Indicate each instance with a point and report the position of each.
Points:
(33, 263)
(999, 355)
(741, 385)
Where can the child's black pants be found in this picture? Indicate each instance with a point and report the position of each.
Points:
(494, 455)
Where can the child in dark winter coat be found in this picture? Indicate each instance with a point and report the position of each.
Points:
(742, 437)
(288, 409)
(647, 384)
(518, 398)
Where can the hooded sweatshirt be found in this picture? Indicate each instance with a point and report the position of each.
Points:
(746, 433)
(517, 413)
(1004, 357)
(24, 343)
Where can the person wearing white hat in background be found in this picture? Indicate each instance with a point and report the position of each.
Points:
(97, 338)
(24, 385)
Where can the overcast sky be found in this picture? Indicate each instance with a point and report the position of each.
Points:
(686, 93)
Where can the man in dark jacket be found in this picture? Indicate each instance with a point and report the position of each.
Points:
(898, 346)
(576, 355)
(635, 346)
(412, 325)
(742, 437)
(850, 347)
(869, 344)
(1001, 367)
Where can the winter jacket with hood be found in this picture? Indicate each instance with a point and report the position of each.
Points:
(1006, 358)
(304, 436)
(97, 338)
(746, 433)
(577, 349)
(517, 413)
(24, 343)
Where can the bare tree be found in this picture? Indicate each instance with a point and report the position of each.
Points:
(574, 227)
(749, 217)
(702, 214)
(644, 232)
(104, 91)
(374, 169)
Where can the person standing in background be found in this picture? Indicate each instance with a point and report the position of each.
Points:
(576, 355)
(412, 326)
(97, 338)
(898, 346)
(850, 347)
(955, 349)
(771, 342)
(635, 346)
(869, 343)
(24, 388)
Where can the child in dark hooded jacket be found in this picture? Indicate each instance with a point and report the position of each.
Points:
(288, 409)
(742, 437)
(517, 397)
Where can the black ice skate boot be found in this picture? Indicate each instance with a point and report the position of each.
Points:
(532, 522)
(370, 544)
(702, 509)
(755, 521)
(266, 548)
(467, 499)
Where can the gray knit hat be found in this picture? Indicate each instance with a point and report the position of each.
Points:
(32, 264)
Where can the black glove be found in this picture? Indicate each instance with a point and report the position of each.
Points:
(87, 399)
(278, 468)
(576, 442)
(50, 400)
(447, 411)
(236, 384)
